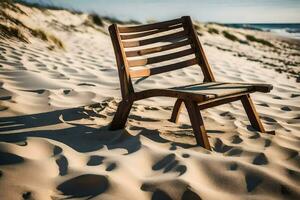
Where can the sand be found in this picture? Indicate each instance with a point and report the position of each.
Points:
(56, 105)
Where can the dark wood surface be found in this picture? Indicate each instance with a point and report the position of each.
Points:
(132, 43)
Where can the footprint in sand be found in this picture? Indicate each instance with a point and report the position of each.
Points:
(159, 194)
(286, 108)
(285, 190)
(236, 139)
(267, 143)
(190, 195)
(260, 159)
(26, 195)
(277, 97)
(95, 160)
(295, 95)
(185, 155)
(87, 185)
(220, 147)
(110, 167)
(234, 152)
(10, 159)
(233, 166)
(169, 163)
(86, 84)
(57, 150)
(62, 163)
(252, 181)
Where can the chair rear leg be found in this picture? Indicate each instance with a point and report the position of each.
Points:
(121, 115)
(252, 114)
(176, 110)
(197, 124)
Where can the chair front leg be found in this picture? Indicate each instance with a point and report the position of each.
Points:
(121, 115)
(197, 124)
(252, 114)
(176, 110)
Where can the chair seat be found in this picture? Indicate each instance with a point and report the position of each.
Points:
(205, 91)
(213, 90)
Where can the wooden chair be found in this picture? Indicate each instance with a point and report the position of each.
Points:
(132, 44)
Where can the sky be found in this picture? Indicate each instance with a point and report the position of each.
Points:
(222, 11)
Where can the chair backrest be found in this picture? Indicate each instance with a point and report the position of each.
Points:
(151, 44)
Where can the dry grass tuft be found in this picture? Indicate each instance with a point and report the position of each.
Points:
(259, 40)
(114, 20)
(39, 34)
(96, 19)
(56, 41)
(47, 37)
(12, 32)
(233, 37)
(230, 36)
(213, 31)
(9, 4)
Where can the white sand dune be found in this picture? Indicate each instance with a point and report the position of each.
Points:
(56, 106)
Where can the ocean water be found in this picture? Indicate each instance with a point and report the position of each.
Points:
(287, 30)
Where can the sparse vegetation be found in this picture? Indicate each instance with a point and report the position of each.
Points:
(197, 27)
(96, 19)
(16, 29)
(230, 36)
(132, 21)
(56, 41)
(9, 32)
(259, 40)
(233, 37)
(6, 17)
(114, 20)
(213, 31)
(47, 37)
(8, 4)
(39, 34)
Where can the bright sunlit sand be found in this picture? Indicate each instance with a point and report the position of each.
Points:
(59, 90)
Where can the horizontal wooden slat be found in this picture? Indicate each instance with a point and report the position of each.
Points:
(167, 93)
(144, 34)
(162, 69)
(157, 59)
(157, 49)
(148, 27)
(164, 38)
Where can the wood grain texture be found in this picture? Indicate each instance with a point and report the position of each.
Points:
(162, 69)
(157, 59)
(157, 49)
(165, 38)
(252, 114)
(151, 32)
(194, 98)
(147, 27)
(197, 124)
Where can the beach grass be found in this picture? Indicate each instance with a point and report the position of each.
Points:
(213, 31)
(39, 33)
(259, 40)
(8, 32)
